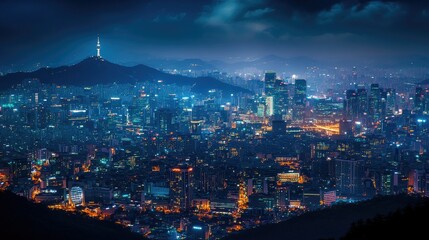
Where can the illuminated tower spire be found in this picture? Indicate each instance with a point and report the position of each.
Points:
(98, 47)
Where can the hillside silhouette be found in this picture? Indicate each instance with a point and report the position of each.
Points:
(331, 223)
(407, 222)
(21, 219)
(94, 70)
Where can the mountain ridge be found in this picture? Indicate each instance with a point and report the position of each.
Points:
(94, 70)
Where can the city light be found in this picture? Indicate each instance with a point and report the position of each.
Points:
(209, 119)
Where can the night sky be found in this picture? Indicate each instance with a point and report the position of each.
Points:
(62, 32)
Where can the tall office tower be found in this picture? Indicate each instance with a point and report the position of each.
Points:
(281, 99)
(362, 102)
(349, 174)
(390, 101)
(383, 103)
(374, 102)
(269, 101)
(282, 197)
(300, 99)
(38, 117)
(164, 120)
(181, 184)
(137, 108)
(270, 81)
(350, 105)
(260, 110)
(141, 110)
(172, 101)
(419, 100)
(426, 101)
(386, 182)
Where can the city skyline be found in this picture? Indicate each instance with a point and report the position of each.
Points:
(214, 119)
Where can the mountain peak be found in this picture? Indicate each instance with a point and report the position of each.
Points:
(93, 60)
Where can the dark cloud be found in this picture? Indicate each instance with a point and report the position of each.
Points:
(258, 12)
(64, 31)
(170, 18)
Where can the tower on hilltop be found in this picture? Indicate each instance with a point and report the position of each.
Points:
(98, 47)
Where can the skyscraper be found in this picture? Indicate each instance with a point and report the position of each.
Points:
(300, 99)
(350, 105)
(276, 96)
(419, 100)
(390, 101)
(270, 81)
(349, 174)
(374, 102)
(181, 184)
(362, 98)
(164, 120)
(270, 105)
(281, 99)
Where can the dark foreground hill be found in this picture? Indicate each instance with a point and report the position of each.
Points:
(20, 219)
(335, 222)
(410, 222)
(92, 71)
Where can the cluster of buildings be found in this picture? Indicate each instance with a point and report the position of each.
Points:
(173, 164)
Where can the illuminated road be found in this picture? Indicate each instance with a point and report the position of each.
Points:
(332, 129)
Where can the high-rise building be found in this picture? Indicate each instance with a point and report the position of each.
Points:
(281, 99)
(270, 105)
(374, 102)
(270, 81)
(300, 99)
(139, 110)
(349, 174)
(38, 117)
(277, 96)
(419, 100)
(386, 183)
(260, 110)
(390, 101)
(362, 98)
(181, 184)
(164, 120)
(350, 105)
